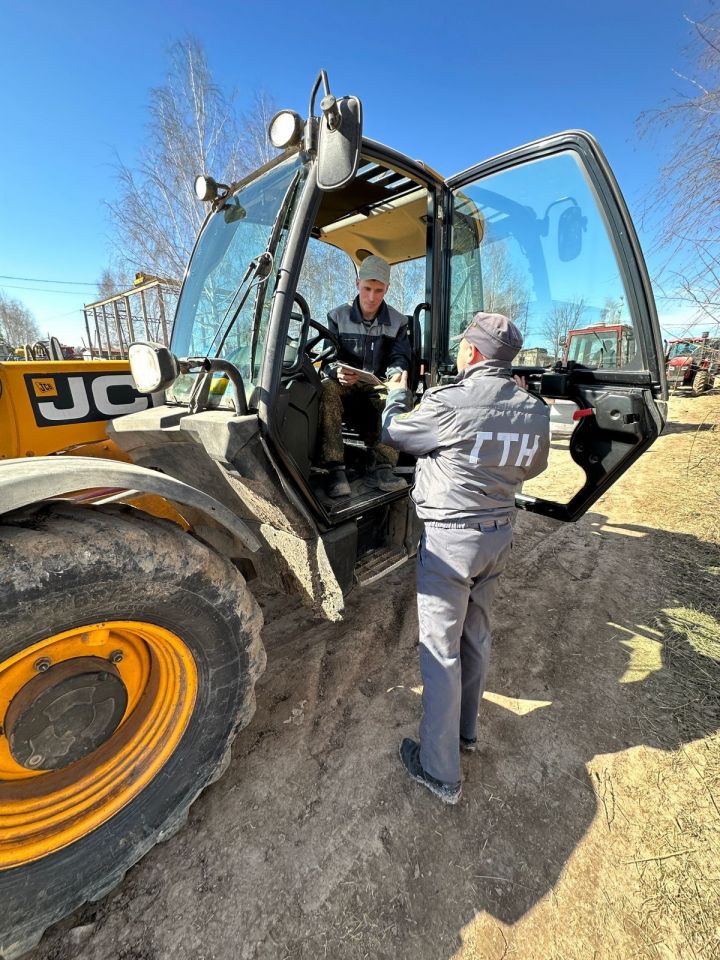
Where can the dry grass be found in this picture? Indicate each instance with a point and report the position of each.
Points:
(678, 859)
(681, 884)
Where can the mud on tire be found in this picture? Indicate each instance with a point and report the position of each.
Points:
(67, 567)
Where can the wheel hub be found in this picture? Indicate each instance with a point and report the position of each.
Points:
(65, 713)
(89, 717)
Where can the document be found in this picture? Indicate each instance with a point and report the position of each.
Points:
(364, 376)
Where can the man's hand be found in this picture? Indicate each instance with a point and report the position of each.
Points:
(520, 381)
(347, 377)
(399, 380)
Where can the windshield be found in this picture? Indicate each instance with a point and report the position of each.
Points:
(597, 349)
(683, 350)
(236, 234)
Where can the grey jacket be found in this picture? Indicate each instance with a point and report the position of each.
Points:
(476, 440)
(381, 347)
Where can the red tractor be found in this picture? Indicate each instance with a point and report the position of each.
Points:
(693, 363)
(602, 346)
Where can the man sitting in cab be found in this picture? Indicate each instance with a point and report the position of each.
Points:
(374, 346)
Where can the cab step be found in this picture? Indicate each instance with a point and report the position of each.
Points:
(377, 563)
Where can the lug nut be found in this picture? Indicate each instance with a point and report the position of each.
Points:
(43, 664)
(35, 760)
(116, 656)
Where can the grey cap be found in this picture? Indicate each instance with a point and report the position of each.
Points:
(375, 268)
(496, 337)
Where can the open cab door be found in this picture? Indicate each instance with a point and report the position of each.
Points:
(543, 235)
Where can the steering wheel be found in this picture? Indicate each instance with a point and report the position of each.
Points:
(332, 349)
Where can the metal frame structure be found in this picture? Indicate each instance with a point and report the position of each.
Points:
(113, 323)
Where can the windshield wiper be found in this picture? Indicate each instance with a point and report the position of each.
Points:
(257, 272)
(602, 347)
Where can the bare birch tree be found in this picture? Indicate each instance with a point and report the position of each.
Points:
(407, 285)
(504, 290)
(685, 204)
(17, 324)
(193, 127)
(563, 318)
(110, 283)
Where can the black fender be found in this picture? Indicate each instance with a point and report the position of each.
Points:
(30, 480)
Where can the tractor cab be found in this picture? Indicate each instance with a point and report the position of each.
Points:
(603, 346)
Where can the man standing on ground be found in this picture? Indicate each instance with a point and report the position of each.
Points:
(476, 440)
(372, 337)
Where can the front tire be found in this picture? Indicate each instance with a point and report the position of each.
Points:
(128, 656)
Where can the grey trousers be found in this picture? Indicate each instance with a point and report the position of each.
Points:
(457, 573)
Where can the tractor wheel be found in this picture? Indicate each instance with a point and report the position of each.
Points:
(700, 383)
(128, 657)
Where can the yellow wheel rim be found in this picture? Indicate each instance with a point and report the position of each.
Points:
(70, 760)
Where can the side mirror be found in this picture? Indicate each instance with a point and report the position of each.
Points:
(339, 140)
(571, 224)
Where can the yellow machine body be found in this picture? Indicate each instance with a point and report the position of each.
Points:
(50, 406)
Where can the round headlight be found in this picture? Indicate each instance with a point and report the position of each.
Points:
(286, 129)
(205, 188)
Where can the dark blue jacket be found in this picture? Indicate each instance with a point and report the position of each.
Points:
(381, 347)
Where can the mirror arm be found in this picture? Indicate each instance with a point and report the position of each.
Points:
(201, 390)
(312, 124)
(571, 200)
(322, 77)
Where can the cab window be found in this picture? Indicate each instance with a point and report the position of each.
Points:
(532, 242)
(327, 278)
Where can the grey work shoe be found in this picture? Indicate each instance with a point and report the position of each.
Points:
(410, 757)
(386, 479)
(337, 485)
(469, 746)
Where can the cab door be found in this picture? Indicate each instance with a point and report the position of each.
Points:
(543, 235)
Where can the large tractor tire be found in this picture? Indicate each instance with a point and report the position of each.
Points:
(700, 383)
(128, 657)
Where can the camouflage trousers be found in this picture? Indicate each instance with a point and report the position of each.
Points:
(361, 405)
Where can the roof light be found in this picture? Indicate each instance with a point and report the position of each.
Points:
(206, 188)
(286, 129)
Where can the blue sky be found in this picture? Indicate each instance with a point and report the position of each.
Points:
(450, 84)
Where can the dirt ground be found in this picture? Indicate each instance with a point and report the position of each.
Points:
(589, 825)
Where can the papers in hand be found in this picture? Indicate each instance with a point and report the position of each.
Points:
(364, 376)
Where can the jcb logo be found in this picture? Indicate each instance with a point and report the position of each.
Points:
(83, 397)
(44, 387)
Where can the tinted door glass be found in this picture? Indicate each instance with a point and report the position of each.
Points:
(532, 242)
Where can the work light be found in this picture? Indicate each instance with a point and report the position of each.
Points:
(153, 367)
(206, 188)
(286, 129)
